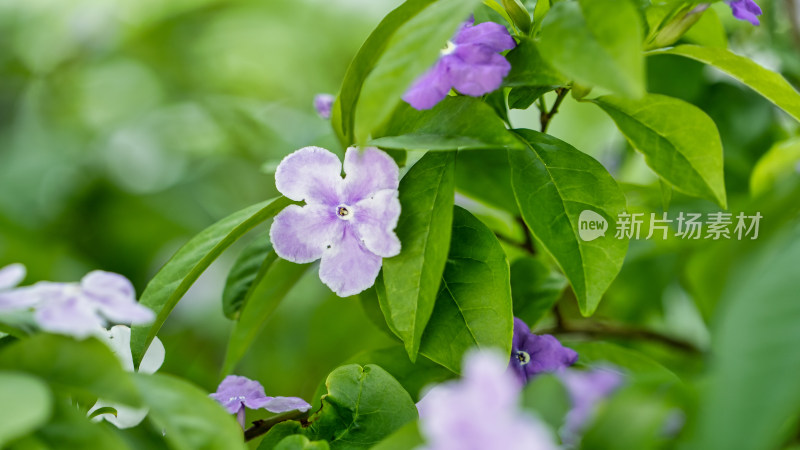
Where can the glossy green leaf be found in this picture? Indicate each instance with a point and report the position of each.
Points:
(769, 84)
(412, 278)
(473, 306)
(403, 439)
(247, 271)
(363, 406)
(596, 43)
(182, 270)
(412, 50)
(752, 388)
(553, 183)
(523, 97)
(678, 140)
(547, 397)
(455, 123)
(27, 404)
(190, 419)
(84, 369)
(484, 175)
(278, 278)
(534, 288)
(529, 69)
(300, 442)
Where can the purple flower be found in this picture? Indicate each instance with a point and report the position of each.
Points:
(745, 10)
(85, 308)
(347, 223)
(586, 390)
(471, 63)
(323, 103)
(532, 354)
(237, 393)
(480, 411)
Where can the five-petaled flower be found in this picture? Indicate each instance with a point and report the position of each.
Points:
(85, 308)
(471, 64)
(346, 222)
(481, 410)
(747, 10)
(532, 354)
(586, 390)
(323, 103)
(236, 393)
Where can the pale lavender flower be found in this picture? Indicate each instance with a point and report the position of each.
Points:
(586, 390)
(347, 223)
(747, 10)
(81, 309)
(471, 64)
(532, 354)
(480, 411)
(10, 276)
(323, 103)
(236, 393)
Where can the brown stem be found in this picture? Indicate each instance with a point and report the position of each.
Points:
(601, 329)
(263, 426)
(545, 117)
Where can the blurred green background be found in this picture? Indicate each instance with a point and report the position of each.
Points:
(128, 126)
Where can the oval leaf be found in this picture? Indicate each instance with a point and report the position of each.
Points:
(473, 306)
(27, 404)
(182, 270)
(553, 183)
(678, 140)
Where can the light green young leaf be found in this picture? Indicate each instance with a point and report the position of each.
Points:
(190, 419)
(473, 306)
(411, 50)
(246, 273)
(708, 31)
(278, 278)
(769, 84)
(412, 278)
(596, 43)
(27, 404)
(679, 141)
(553, 183)
(300, 442)
(182, 270)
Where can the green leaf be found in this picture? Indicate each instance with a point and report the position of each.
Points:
(752, 390)
(343, 113)
(412, 278)
(362, 407)
(455, 123)
(678, 140)
(529, 69)
(776, 166)
(484, 175)
(547, 398)
(412, 50)
(300, 442)
(84, 369)
(553, 183)
(69, 428)
(517, 12)
(596, 43)
(769, 84)
(708, 31)
(635, 363)
(403, 439)
(277, 280)
(473, 306)
(182, 270)
(189, 418)
(534, 288)
(523, 97)
(246, 273)
(27, 404)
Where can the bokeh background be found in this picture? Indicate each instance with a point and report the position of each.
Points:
(127, 126)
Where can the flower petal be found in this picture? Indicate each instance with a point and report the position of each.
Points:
(312, 174)
(68, 314)
(475, 71)
(368, 171)
(431, 88)
(11, 275)
(300, 234)
(746, 10)
(375, 220)
(126, 417)
(118, 338)
(153, 358)
(285, 404)
(323, 103)
(493, 36)
(348, 267)
(113, 295)
(236, 392)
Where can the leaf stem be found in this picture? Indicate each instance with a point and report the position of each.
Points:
(263, 426)
(604, 329)
(546, 116)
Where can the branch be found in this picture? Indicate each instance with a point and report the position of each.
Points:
(545, 117)
(601, 329)
(263, 426)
